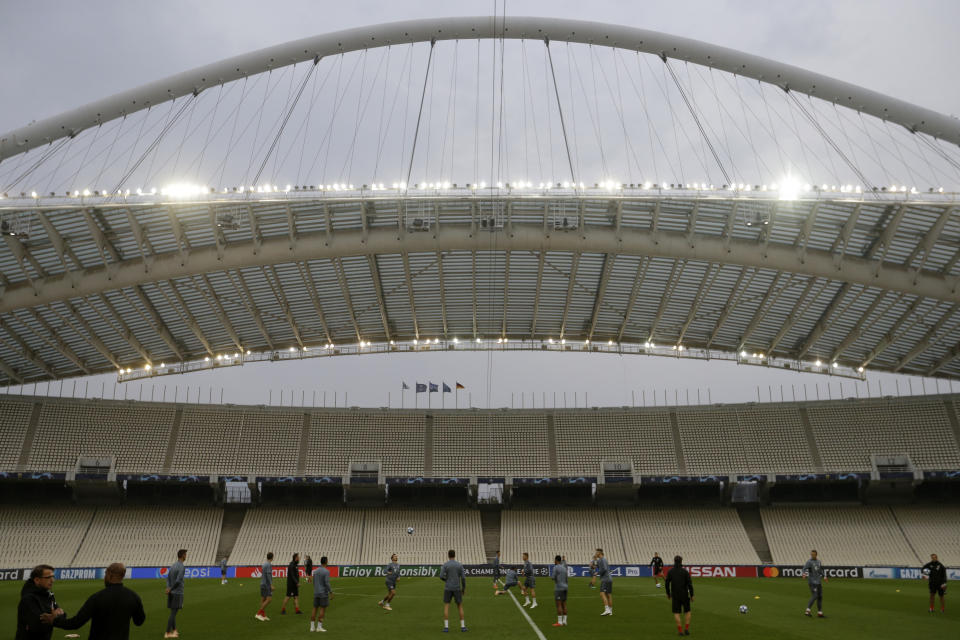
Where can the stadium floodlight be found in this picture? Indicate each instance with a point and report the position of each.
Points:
(292, 349)
(609, 343)
(860, 369)
(248, 351)
(478, 340)
(455, 341)
(835, 365)
(743, 354)
(550, 340)
(206, 359)
(219, 357)
(147, 367)
(819, 363)
(414, 341)
(563, 341)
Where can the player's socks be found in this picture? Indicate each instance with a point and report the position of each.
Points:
(312, 625)
(446, 624)
(463, 625)
(283, 612)
(298, 611)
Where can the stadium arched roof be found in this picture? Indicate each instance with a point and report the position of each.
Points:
(829, 279)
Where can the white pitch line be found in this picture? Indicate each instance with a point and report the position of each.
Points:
(533, 625)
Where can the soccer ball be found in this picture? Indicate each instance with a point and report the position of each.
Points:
(926, 572)
(410, 530)
(743, 608)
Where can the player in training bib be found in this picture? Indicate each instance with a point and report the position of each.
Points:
(529, 582)
(392, 572)
(606, 583)
(321, 595)
(510, 580)
(454, 586)
(559, 574)
(813, 572)
(266, 588)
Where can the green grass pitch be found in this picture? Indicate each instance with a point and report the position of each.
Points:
(854, 609)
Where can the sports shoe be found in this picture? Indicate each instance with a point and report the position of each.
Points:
(298, 612)
(658, 585)
(557, 624)
(167, 634)
(388, 607)
(446, 629)
(526, 604)
(283, 612)
(807, 613)
(380, 604)
(464, 629)
(321, 629)
(820, 614)
(534, 605)
(607, 612)
(686, 632)
(260, 618)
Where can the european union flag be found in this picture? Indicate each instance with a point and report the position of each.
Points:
(446, 388)
(433, 388)
(421, 388)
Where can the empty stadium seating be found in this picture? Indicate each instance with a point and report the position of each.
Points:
(41, 534)
(841, 535)
(135, 433)
(849, 432)
(700, 535)
(150, 536)
(335, 533)
(932, 530)
(575, 533)
(435, 531)
(586, 439)
(14, 419)
(494, 443)
(219, 440)
(340, 437)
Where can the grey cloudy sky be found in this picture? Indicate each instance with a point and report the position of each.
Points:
(57, 55)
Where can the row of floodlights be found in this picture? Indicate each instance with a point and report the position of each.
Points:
(187, 191)
(502, 340)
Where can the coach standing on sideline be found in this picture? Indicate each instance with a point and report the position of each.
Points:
(679, 589)
(175, 575)
(36, 599)
(110, 609)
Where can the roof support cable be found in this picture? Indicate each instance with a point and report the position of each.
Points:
(153, 145)
(563, 124)
(423, 95)
(683, 94)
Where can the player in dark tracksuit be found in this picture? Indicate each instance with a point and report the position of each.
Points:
(293, 585)
(496, 569)
(656, 567)
(679, 589)
(813, 572)
(936, 576)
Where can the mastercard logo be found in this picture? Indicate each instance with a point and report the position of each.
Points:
(770, 572)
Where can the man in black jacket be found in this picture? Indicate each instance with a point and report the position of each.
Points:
(111, 609)
(679, 589)
(36, 599)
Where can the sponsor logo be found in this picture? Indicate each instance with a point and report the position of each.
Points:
(953, 574)
(79, 574)
(711, 571)
(796, 571)
(7, 575)
(879, 572)
(633, 572)
(162, 572)
(377, 571)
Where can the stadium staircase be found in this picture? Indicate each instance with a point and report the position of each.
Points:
(29, 435)
(233, 515)
(753, 525)
(678, 444)
(172, 444)
(86, 532)
(490, 526)
(304, 445)
(811, 441)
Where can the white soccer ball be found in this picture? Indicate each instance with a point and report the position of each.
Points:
(410, 530)
(743, 608)
(926, 572)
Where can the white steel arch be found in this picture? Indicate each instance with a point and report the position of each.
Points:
(789, 77)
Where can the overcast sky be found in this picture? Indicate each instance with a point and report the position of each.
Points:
(57, 55)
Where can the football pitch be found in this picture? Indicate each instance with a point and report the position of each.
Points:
(854, 609)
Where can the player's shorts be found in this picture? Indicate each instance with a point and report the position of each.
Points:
(265, 591)
(606, 585)
(321, 601)
(450, 594)
(223, 572)
(560, 596)
(391, 585)
(658, 573)
(174, 601)
(507, 586)
(293, 591)
(936, 590)
(496, 573)
(530, 582)
(680, 605)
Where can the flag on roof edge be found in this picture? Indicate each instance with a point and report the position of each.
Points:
(460, 386)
